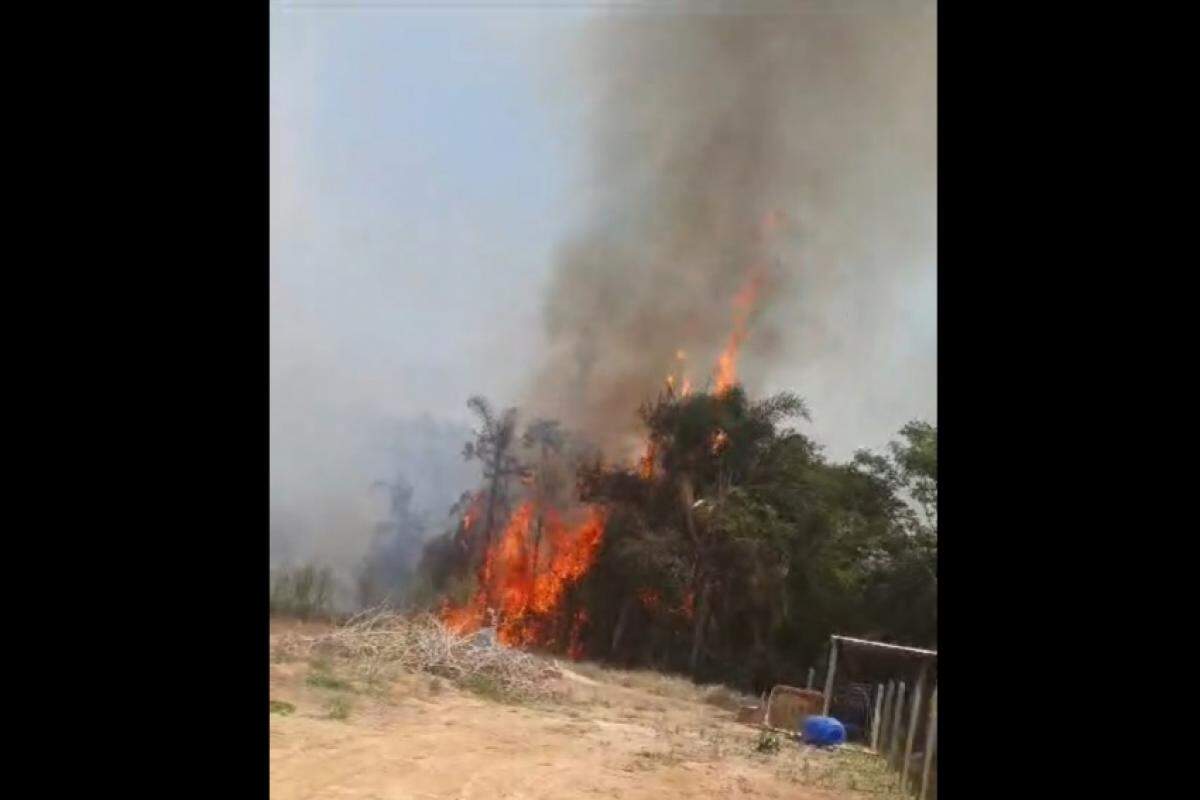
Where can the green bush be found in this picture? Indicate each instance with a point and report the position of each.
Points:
(281, 707)
(304, 592)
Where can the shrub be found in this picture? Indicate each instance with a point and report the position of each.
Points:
(304, 592)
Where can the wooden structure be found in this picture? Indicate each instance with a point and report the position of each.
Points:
(788, 707)
(905, 703)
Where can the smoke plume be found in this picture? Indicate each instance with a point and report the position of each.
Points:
(773, 172)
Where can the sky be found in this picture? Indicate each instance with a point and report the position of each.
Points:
(426, 167)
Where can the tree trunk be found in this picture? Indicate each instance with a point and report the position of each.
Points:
(622, 620)
(701, 622)
(533, 558)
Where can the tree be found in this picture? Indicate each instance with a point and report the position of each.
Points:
(689, 511)
(909, 467)
(903, 595)
(547, 437)
(395, 548)
(737, 548)
(493, 445)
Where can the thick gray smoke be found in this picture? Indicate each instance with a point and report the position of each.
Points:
(794, 152)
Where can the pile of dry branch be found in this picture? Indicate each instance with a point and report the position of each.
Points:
(381, 640)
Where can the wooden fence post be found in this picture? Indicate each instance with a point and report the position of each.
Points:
(833, 648)
(930, 743)
(914, 717)
(894, 740)
(876, 719)
(885, 723)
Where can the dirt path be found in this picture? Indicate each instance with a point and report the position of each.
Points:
(422, 738)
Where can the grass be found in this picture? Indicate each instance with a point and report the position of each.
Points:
(859, 771)
(323, 680)
(840, 770)
(282, 708)
(725, 698)
(338, 707)
(768, 743)
(489, 688)
(648, 759)
(305, 592)
(321, 676)
(678, 687)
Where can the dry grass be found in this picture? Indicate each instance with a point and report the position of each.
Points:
(338, 707)
(626, 729)
(854, 770)
(381, 643)
(677, 687)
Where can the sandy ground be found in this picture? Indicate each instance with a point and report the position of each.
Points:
(422, 738)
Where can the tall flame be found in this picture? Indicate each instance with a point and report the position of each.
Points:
(526, 597)
(744, 301)
(743, 304)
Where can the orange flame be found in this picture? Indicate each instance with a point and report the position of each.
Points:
(473, 512)
(743, 305)
(527, 596)
(646, 462)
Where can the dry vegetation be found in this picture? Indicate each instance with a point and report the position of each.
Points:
(387, 706)
(380, 645)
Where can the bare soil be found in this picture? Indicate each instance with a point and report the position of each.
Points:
(610, 734)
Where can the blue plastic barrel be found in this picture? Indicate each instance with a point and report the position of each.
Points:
(824, 731)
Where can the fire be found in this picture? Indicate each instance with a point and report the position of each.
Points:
(646, 462)
(651, 599)
(472, 514)
(743, 305)
(744, 302)
(686, 386)
(527, 596)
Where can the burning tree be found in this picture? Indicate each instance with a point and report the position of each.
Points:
(731, 550)
(685, 507)
(493, 447)
(525, 561)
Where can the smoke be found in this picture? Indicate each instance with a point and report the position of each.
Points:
(796, 150)
(413, 196)
(361, 496)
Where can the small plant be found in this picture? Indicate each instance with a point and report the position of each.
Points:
(768, 743)
(488, 688)
(338, 707)
(323, 680)
(282, 708)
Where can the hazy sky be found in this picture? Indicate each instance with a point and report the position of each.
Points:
(425, 168)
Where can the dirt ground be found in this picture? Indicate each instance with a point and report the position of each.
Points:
(612, 734)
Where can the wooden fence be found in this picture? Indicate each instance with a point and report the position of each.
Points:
(904, 720)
